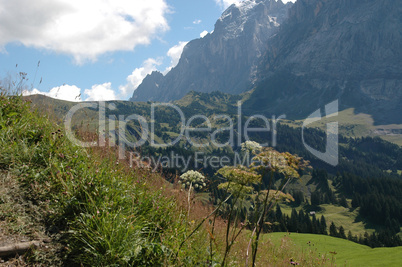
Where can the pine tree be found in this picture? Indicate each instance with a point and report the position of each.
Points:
(355, 201)
(350, 236)
(315, 225)
(299, 197)
(302, 226)
(315, 198)
(343, 202)
(293, 222)
(309, 224)
(342, 232)
(332, 230)
(361, 239)
(323, 226)
(278, 212)
(366, 239)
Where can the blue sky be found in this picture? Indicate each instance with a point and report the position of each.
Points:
(97, 50)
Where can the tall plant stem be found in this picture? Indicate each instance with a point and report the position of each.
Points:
(229, 244)
(199, 225)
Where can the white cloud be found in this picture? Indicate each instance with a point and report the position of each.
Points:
(100, 92)
(64, 92)
(83, 29)
(175, 53)
(136, 77)
(197, 21)
(203, 34)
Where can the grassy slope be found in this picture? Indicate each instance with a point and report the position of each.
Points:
(341, 216)
(350, 124)
(104, 212)
(357, 125)
(347, 253)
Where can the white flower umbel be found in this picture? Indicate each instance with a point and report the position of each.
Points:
(192, 179)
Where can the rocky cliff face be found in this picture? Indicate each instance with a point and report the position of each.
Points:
(225, 60)
(335, 49)
(340, 39)
(297, 58)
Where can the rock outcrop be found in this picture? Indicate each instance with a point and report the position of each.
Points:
(225, 60)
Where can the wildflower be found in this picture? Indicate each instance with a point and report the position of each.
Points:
(292, 262)
(239, 175)
(194, 178)
(250, 147)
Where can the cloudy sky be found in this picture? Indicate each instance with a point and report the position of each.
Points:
(97, 49)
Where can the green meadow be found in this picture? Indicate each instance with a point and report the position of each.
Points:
(341, 252)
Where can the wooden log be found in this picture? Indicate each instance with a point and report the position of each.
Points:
(18, 248)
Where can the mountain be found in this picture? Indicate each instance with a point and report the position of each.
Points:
(296, 58)
(330, 49)
(225, 60)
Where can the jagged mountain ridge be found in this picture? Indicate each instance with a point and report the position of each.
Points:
(330, 49)
(322, 50)
(225, 60)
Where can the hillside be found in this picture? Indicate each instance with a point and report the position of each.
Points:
(343, 252)
(85, 206)
(365, 159)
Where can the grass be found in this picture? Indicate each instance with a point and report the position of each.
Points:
(341, 216)
(100, 211)
(356, 125)
(105, 212)
(344, 252)
(20, 222)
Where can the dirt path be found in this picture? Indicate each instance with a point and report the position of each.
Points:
(20, 222)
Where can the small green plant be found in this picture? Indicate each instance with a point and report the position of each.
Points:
(268, 162)
(239, 185)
